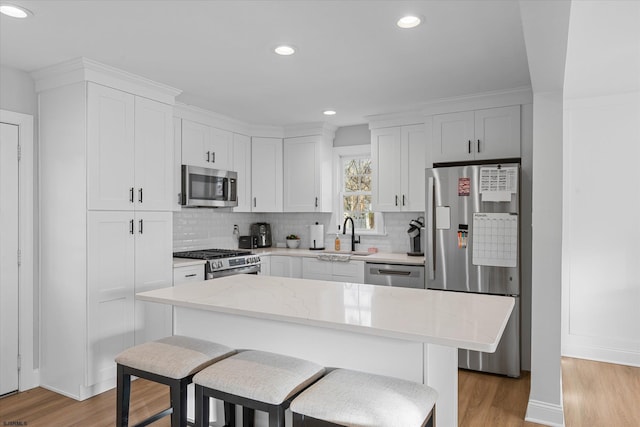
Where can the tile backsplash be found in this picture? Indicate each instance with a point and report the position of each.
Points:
(213, 228)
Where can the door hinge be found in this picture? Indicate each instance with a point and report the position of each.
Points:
(19, 257)
(19, 152)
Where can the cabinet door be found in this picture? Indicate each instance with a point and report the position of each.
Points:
(497, 132)
(110, 148)
(153, 270)
(265, 265)
(154, 155)
(191, 273)
(301, 174)
(242, 165)
(313, 268)
(110, 291)
(414, 156)
(453, 136)
(352, 272)
(386, 160)
(221, 149)
(196, 140)
(280, 266)
(177, 163)
(266, 174)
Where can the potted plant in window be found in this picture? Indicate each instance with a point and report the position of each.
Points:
(293, 241)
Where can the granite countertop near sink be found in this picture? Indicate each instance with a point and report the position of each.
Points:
(379, 257)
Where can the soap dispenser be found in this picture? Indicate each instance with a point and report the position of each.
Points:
(336, 245)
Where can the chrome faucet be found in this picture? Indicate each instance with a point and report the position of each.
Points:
(353, 233)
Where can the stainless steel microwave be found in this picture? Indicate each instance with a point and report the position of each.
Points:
(210, 188)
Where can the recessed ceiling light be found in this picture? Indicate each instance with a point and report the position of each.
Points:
(409, 21)
(284, 50)
(329, 113)
(14, 11)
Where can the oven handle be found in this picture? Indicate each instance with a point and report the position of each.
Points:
(251, 269)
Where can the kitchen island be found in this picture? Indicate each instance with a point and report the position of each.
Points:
(412, 334)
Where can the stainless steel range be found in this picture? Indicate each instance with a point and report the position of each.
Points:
(224, 262)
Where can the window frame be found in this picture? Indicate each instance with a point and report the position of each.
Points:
(339, 154)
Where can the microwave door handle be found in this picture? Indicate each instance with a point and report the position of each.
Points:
(430, 259)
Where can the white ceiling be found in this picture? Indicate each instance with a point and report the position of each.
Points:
(351, 56)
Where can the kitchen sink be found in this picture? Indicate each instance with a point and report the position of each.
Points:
(354, 253)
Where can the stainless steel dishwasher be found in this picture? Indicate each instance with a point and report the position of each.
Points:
(402, 275)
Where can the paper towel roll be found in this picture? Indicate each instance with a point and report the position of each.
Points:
(316, 236)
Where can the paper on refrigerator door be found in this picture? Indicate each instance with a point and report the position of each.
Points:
(497, 184)
(495, 239)
(443, 217)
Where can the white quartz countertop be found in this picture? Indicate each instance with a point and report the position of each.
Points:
(454, 319)
(379, 257)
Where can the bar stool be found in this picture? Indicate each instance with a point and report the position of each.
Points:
(351, 398)
(172, 361)
(257, 380)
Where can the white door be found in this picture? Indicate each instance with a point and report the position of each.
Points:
(414, 144)
(385, 156)
(266, 174)
(453, 136)
(8, 258)
(154, 155)
(301, 162)
(110, 262)
(110, 149)
(153, 270)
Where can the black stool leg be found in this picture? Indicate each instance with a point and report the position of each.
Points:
(178, 391)
(276, 417)
(248, 416)
(202, 408)
(123, 397)
(229, 414)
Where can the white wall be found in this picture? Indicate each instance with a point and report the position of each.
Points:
(601, 280)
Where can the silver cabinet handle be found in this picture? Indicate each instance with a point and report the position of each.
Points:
(140, 225)
(131, 194)
(131, 226)
(140, 195)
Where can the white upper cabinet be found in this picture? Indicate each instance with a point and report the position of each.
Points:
(153, 155)
(110, 148)
(242, 166)
(493, 133)
(206, 147)
(307, 174)
(266, 174)
(129, 151)
(399, 158)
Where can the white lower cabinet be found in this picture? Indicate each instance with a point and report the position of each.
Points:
(286, 266)
(126, 253)
(189, 273)
(334, 271)
(265, 265)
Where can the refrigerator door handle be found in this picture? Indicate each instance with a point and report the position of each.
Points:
(429, 247)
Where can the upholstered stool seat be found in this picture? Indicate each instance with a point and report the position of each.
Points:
(351, 398)
(257, 380)
(172, 361)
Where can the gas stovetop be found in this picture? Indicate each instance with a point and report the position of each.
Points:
(208, 254)
(224, 261)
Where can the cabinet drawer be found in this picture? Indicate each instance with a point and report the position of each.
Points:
(352, 271)
(191, 273)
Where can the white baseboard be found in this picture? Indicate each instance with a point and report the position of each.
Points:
(601, 354)
(545, 413)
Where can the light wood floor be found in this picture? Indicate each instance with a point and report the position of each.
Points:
(595, 394)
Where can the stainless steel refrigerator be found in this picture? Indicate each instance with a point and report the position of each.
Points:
(473, 245)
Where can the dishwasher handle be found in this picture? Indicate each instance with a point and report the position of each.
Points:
(383, 272)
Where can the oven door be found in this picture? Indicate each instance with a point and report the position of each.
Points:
(250, 269)
(203, 187)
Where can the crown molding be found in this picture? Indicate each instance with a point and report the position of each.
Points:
(83, 69)
(502, 98)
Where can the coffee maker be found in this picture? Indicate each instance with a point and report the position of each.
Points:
(414, 231)
(262, 232)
